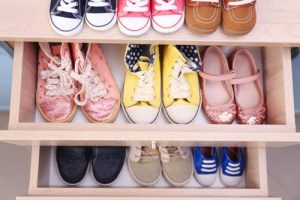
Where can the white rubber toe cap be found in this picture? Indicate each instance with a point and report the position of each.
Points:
(142, 114)
(134, 26)
(182, 114)
(206, 179)
(100, 20)
(65, 24)
(231, 181)
(167, 23)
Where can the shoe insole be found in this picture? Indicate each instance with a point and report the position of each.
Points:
(248, 94)
(207, 152)
(233, 153)
(216, 92)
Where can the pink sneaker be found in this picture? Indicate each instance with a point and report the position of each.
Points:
(55, 87)
(167, 15)
(99, 95)
(134, 17)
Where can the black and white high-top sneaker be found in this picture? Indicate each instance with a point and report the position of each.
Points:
(67, 16)
(101, 14)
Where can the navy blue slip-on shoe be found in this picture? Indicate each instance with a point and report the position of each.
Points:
(73, 163)
(107, 163)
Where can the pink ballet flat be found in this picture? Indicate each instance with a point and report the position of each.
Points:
(55, 87)
(248, 91)
(99, 95)
(218, 96)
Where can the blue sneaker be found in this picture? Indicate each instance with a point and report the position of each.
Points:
(206, 165)
(233, 165)
(67, 16)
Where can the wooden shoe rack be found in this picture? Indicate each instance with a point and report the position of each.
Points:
(277, 29)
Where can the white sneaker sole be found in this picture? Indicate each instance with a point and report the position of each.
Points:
(169, 30)
(71, 33)
(102, 28)
(134, 33)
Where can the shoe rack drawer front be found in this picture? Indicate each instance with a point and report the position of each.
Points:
(146, 198)
(45, 180)
(274, 62)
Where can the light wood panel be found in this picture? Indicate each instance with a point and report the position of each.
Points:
(277, 23)
(128, 138)
(145, 198)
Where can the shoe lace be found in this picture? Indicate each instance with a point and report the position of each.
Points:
(207, 1)
(136, 5)
(58, 80)
(144, 90)
(68, 6)
(239, 2)
(179, 88)
(98, 3)
(146, 152)
(91, 85)
(165, 5)
(171, 152)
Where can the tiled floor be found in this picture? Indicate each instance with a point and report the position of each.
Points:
(283, 170)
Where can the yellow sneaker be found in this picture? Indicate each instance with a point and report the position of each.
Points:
(181, 88)
(142, 85)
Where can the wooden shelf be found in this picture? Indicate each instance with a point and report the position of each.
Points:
(127, 138)
(277, 24)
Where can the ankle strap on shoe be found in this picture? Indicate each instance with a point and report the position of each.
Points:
(248, 79)
(222, 77)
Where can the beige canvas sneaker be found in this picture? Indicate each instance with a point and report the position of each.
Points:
(177, 164)
(144, 165)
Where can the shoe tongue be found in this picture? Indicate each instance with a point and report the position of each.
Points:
(55, 49)
(144, 63)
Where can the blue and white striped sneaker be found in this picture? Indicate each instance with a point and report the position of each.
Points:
(233, 165)
(206, 165)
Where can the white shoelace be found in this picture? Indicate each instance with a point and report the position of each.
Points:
(91, 85)
(136, 5)
(98, 3)
(172, 152)
(143, 154)
(165, 5)
(68, 6)
(58, 79)
(145, 87)
(179, 88)
(207, 1)
(239, 3)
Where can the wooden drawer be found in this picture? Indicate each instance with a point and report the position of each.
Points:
(45, 181)
(277, 23)
(27, 125)
(145, 198)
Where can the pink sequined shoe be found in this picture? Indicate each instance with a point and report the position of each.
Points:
(99, 95)
(248, 91)
(217, 91)
(55, 87)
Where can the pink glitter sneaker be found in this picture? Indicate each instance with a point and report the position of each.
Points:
(248, 91)
(55, 87)
(99, 95)
(216, 78)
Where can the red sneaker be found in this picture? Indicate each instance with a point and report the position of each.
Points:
(134, 17)
(167, 15)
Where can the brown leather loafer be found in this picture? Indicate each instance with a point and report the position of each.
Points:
(203, 17)
(239, 16)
